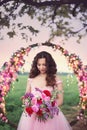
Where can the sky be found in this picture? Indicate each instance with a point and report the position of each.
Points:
(9, 46)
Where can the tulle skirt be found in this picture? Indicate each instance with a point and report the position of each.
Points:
(59, 122)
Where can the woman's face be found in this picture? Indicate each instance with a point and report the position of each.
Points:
(41, 65)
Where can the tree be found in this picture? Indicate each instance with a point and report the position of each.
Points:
(56, 14)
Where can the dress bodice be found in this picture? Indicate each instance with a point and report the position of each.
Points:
(34, 86)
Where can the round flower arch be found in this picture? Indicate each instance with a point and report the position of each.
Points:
(11, 69)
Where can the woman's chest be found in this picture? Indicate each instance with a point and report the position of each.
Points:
(38, 83)
(41, 84)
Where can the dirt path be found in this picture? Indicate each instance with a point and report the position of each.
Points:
(77, 126)
(80, 126)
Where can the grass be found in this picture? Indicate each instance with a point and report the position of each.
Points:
(14, 104)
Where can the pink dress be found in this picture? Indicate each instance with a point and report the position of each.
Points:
(58, 122)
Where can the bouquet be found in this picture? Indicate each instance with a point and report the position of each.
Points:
(44, 105)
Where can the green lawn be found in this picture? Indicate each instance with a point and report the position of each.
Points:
(14, 104)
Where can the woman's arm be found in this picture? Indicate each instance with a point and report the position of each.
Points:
(60, 90)
(60, 95)
(28, 87)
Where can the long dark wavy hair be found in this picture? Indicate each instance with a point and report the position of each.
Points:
(51, 68)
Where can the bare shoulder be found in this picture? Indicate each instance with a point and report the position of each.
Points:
(59, 84)
(58, 79)
(35, 79)
(30, 79)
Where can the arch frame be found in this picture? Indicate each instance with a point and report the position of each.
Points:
(11, 68)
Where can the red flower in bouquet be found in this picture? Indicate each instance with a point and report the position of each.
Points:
(40, 113)
(47, 93)
(39, 101)
(29, 110)
(53, 103)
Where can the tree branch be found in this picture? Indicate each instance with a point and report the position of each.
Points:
(75, 32)
(74, 10)
(2, 2)
(47, 3)
(54, 3)
(55, 12)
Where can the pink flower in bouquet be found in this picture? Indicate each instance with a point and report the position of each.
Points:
(43, 95)
(47, 98)
(35, 108)
(34, 100)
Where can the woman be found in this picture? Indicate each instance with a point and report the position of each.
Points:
(43, 76)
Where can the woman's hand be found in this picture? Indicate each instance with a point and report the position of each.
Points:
(22, 98)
